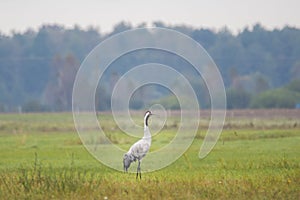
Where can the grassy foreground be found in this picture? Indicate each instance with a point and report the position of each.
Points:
(41, 157)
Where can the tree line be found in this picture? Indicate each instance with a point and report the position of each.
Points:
(260, 67)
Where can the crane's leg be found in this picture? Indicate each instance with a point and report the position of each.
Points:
(139, 170)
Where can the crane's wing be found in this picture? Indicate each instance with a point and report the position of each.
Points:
(140, 149)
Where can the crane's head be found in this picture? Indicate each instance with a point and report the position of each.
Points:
(148, 113)
(127, 160)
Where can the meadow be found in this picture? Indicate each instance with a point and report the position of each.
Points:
(256, 157)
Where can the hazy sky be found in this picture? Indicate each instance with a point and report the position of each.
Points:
(19, 15)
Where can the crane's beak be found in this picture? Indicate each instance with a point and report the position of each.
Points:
(154, 114)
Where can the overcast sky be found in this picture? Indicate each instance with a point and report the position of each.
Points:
(19, 15)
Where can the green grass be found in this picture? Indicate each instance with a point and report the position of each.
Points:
(41, 157)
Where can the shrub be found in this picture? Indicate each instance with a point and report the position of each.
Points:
(237, 98)
(277, 98)
(34, 106)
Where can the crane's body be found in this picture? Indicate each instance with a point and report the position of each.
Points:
(139, 149)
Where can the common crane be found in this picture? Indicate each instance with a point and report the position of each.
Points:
(139, 149)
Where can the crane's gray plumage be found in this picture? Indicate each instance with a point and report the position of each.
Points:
(139, 149)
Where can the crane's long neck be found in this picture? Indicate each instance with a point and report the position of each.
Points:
(146, 118)
(147, 134)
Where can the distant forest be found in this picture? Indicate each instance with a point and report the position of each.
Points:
(260, 67)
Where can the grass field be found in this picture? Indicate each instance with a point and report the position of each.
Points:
(256, 157)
